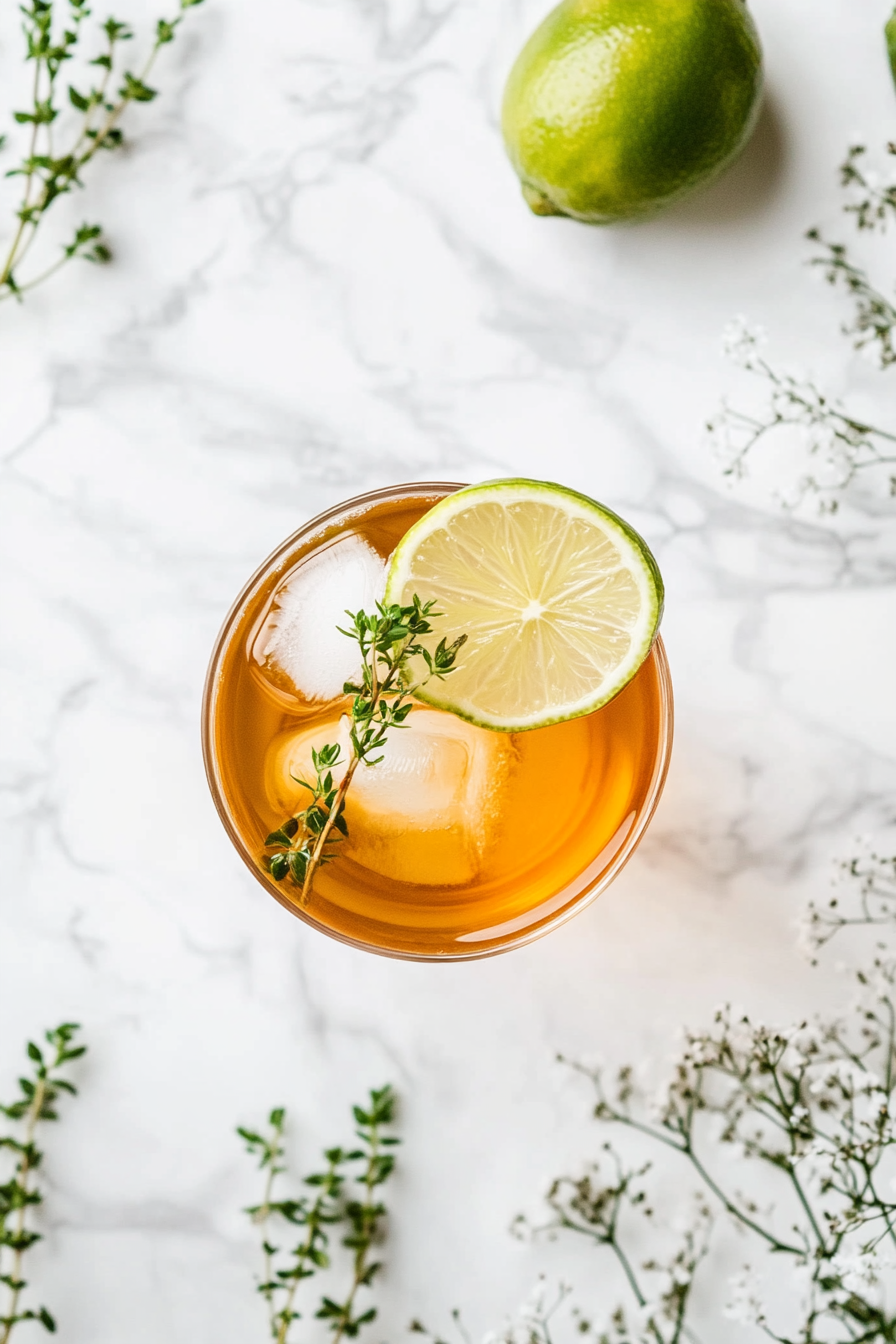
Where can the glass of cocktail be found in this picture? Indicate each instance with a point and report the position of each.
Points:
(462, 841)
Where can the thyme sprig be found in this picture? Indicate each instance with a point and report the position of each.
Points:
(20, 1194)
(296, 839)
(329, 1205)
(388, 640)
(52, 32)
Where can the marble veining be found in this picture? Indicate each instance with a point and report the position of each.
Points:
(326, 282)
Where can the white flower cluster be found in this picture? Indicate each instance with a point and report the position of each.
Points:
(744, 1302)
(836, 446)
(808, 1111)
(531, 1325)
(742, 341)
(864, 894)
(858, 1270)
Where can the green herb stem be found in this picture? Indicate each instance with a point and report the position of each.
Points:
(24, 1171)
(367, 1222)
(39, 1095)
(286, 1271)
(387, 641)
(333, 814)
(305, 1251)
(364, 1216)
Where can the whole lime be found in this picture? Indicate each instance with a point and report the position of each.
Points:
(615, 108)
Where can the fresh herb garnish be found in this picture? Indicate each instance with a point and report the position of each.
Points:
(329, 1206)
(47, 170)
(388, 640)
(19, 1194)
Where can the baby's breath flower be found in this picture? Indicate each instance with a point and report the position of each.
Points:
(858, 1269)
(532, 1307)
(646, 1314)
(744, 1305)
(807, 1110)
(837, 447)
(741, 341)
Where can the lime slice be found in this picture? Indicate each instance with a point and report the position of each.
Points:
(560, 601)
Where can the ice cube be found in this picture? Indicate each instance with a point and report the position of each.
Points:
(299, 649)
(426, 813)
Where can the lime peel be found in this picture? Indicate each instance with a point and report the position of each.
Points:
(560, 600)
(616, 108)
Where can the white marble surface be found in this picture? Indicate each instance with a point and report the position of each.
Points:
(326, 282)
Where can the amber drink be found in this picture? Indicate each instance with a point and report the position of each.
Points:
(462, 842)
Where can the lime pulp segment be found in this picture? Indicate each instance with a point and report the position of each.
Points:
(560, 601)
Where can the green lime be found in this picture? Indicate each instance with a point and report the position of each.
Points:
(890, 35)
(560, 601)
(615, 108)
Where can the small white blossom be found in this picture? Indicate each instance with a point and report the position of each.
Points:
(805, 1039)
(646, 1315)
(860, 1269)
(809, 934)
(744, 1305)
(842, 1073)
(872, 354)
(740, 341)
(532, 1308)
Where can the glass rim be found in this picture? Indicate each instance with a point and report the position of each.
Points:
(565, 906)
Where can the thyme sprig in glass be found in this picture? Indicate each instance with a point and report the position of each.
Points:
(388, 640)
(20, 1195)
(53, 31)
(330, 1205)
